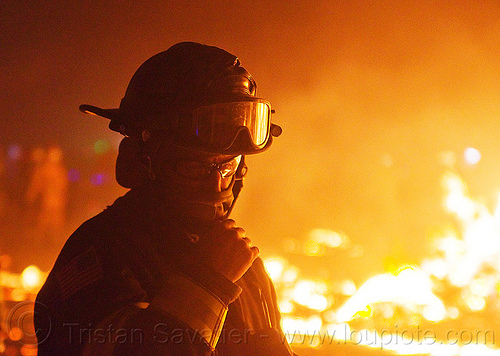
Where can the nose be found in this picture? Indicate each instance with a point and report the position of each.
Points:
(215, 181)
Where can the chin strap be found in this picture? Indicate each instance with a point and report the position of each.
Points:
(238, 185)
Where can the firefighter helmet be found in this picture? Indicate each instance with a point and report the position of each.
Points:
(198, 97)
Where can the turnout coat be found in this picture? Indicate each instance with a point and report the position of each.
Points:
(126, 283)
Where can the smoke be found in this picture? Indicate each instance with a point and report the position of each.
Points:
(369, 93)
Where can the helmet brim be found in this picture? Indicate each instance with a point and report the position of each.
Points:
(111, 114)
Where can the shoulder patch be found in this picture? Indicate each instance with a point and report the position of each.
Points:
(80, 272)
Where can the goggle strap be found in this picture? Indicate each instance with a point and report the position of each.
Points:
(237, 186)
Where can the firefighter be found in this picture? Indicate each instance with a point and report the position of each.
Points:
(164, 270)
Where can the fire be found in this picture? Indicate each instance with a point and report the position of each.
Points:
(311, 294)
(19, 287)
(461, 282)
(411, 288)
(32, 278)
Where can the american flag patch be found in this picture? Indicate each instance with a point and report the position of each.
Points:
(80, 272)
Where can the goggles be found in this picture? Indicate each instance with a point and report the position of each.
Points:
(201, 170)
(218, 125)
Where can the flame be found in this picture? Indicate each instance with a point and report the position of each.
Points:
(467, 260)
(275, 267)
(328, 238)
(32, 278)
(411, 287)
(480, 243)
(311, 294)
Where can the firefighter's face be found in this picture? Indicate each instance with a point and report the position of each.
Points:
(194, 174)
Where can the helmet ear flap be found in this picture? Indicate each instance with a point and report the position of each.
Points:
(133, 167)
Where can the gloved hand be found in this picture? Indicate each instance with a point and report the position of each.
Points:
(225, 247)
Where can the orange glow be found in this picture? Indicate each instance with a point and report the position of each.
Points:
(15, 334)
(411, 290)
(32, 278)
(28, 350)
(379, 101)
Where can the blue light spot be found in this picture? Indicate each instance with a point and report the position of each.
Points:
(14, 152)
(73, 175)
(98, 179)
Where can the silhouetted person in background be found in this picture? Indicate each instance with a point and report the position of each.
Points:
(3, 198)
(48, 193)
(164, 271)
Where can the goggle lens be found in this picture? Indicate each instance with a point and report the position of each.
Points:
(218, 125)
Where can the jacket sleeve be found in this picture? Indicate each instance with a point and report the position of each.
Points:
(184, 318)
